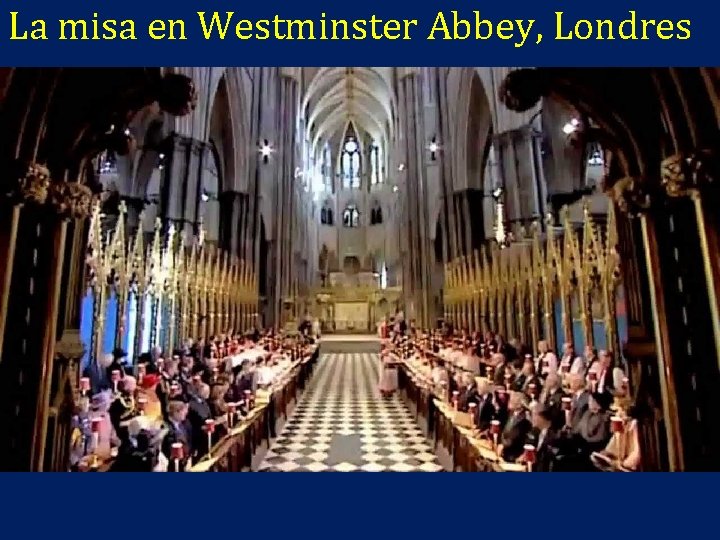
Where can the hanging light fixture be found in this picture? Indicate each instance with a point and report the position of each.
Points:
(502, 237)
(433, 147)
(595, 155)
(265, 150)
(571, 127)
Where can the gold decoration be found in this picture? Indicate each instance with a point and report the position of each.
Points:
(688, 174)
(630, 196)
(71, 199)
(517, 290)
(32, 185)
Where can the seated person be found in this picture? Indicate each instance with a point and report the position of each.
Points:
(623, 450)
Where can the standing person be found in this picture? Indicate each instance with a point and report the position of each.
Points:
(388, 375)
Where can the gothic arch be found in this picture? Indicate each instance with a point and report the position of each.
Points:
(473, 131)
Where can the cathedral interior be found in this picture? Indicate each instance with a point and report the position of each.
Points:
(250, 249)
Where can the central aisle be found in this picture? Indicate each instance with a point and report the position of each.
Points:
(343, 424)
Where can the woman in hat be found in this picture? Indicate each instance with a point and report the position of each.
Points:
(106, 439)
(152, 407)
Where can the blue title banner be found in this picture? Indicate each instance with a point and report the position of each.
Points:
(414, 506)
(372, 32)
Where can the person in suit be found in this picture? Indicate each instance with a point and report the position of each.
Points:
(544, 438)
(468, 391)
(500, 367)
(546, 362)
(580, 399)
(123, 408)
(179, 430)
(514, 434)
(570, 362)
(551, 398)
(199, 411)
(485, 405)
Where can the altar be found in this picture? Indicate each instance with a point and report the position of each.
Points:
(352, 316)
(353, 303)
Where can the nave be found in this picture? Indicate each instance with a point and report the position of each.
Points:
(343, 424)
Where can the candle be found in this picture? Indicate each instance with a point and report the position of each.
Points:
(115, 376)
(529, 455)
(495, 431)
(231, 411)
(247, 393)
(95, 428)
(177, 452)
(209, 429)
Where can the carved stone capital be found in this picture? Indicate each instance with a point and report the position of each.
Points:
(689, 174)
(522, 89)
(70, 199)
(630, 195)
(31, 184)
(70, 348)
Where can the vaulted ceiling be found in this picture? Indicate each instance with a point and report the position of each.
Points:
(336, 96)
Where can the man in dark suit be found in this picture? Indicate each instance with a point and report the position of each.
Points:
(198, 412)
(544, 438)
(179, 430)
(500, 367)
(580, 398)
(485, 407)
(468, 392)
(514, 435)
(551, 398)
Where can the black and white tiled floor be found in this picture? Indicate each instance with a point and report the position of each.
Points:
(343, 424)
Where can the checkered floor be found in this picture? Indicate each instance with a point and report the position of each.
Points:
(343, 424)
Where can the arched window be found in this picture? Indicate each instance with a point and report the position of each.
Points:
(351, 164)
(351, 216)
(375, 164)
(376, 217)
(326, 170)
(326, 214)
